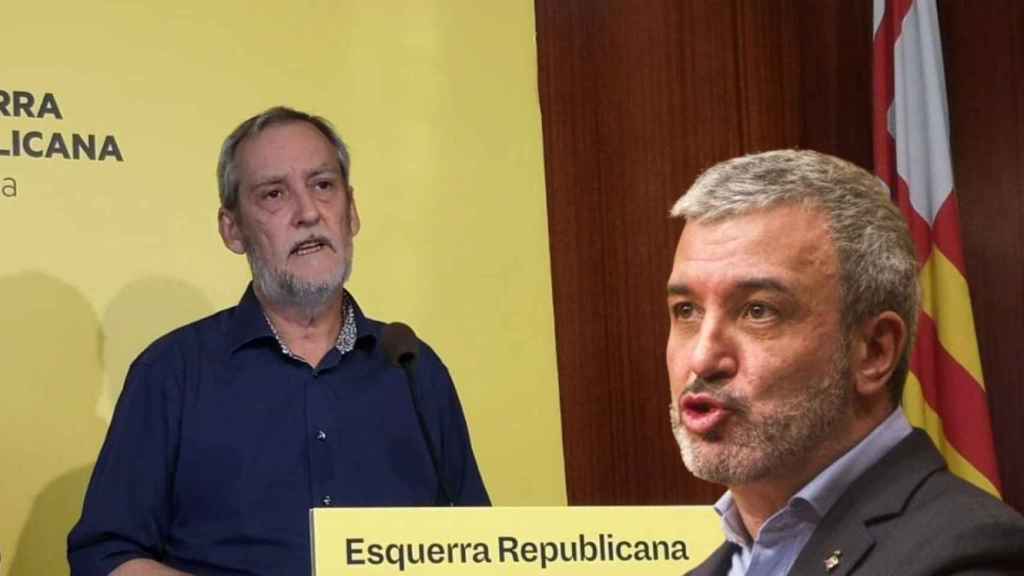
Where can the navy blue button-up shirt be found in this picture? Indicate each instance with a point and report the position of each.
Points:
(221, 443)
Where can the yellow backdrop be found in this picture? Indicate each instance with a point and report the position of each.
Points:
(438, 101)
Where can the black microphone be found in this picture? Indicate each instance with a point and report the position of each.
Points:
(400, 344)
(401, 347)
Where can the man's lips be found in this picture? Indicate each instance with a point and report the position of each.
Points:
(702, 413)
(310, 246)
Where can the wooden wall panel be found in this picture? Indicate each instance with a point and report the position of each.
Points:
(638, 97)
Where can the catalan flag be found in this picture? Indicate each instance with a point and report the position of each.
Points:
(945, 392)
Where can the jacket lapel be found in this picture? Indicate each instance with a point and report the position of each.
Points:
(844, 538)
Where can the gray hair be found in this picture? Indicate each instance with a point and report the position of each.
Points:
(877, 263)
(227, 175)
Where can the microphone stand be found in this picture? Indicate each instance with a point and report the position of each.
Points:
(401, 346)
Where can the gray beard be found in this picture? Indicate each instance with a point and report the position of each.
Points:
(766, 445)
(283, 289)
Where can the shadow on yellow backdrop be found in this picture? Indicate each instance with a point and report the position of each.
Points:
(66, 362)
(52, 376)
(140, 313)
(438, 101)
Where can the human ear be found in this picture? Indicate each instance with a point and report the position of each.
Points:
(353, 213)
(879, 342)
(230, 230)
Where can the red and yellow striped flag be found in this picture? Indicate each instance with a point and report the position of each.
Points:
(945, 392)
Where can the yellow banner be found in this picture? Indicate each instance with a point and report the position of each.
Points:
(111, 118)
(554, 541)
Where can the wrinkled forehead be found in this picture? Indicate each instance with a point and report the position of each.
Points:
(284, 147)
(783, 241)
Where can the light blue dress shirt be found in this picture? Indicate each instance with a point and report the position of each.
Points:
(784, 534)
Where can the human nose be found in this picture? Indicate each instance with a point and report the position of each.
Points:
(713, 355)
(306, 212)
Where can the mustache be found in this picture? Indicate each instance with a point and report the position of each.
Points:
(729, 400)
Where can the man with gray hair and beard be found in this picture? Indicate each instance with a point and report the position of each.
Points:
(793, 300)
(230, 429)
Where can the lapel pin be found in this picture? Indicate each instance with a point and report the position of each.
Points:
(833, 560)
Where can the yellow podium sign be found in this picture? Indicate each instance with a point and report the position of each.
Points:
(554, 541)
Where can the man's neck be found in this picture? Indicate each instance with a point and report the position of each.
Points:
(308, 334)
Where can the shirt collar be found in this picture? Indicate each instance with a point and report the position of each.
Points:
(250, 324)
(732, 524)
(823, 491)
(345, 341)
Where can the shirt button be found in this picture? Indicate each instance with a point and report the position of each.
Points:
(326, 501)
(321, 435)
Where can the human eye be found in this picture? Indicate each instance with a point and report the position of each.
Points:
(271, 197)
(324, 186)
(760, 312)
(683, 310)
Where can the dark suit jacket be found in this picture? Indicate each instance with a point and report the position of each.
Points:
(907, 515)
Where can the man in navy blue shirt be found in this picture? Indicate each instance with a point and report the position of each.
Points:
(230, 429)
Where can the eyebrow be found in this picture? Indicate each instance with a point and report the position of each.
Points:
(679, 290)
(267, 180)
(746, 285)
(278, 178)
(323, 169)
(766, 284)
